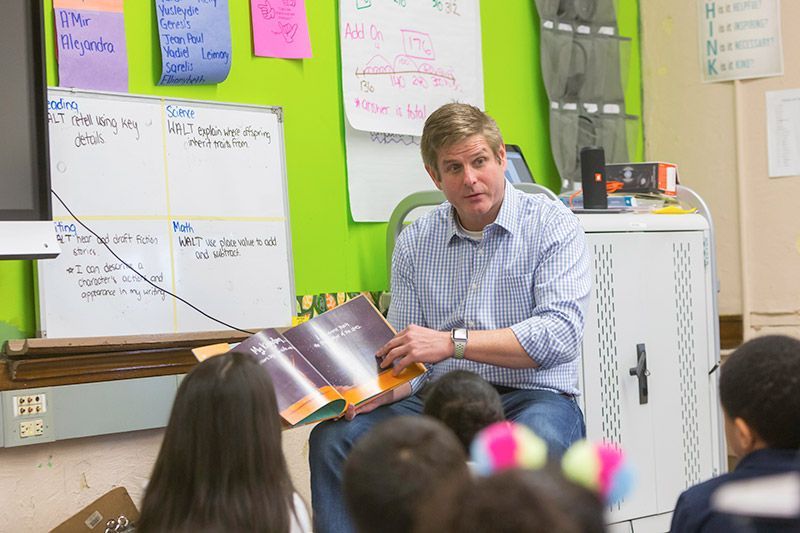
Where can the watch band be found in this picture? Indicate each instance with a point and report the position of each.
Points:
(459, 337)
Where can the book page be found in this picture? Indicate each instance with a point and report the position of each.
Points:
(301, 391)
(341, 345)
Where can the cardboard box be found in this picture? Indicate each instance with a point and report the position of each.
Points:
(654, 177)
(94, 517)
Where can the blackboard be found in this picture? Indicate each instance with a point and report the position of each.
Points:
(192, 194)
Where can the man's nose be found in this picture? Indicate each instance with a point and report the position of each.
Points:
(470, 176)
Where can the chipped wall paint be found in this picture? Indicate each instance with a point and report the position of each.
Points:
(44, 484)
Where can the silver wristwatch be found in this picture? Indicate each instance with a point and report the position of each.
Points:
(459, 337)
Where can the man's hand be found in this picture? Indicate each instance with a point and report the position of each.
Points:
(415, 344)
(394, 395)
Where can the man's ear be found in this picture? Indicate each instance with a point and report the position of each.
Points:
(501, 154)
(432, 173)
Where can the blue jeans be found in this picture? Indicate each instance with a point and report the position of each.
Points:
(554, 417)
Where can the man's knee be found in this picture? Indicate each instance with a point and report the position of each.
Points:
(332, 439)
(321, 436)
(558, 423)
(556, 434)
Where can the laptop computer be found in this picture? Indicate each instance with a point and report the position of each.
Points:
(517, 170)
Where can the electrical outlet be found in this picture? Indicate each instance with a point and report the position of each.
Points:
(31, 428)
(27, 416)
(30, 404)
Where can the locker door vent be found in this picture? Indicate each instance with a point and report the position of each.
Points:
(687, 360)
(607, 343)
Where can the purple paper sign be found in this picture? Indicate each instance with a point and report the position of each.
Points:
(91, 45)
(195, 38)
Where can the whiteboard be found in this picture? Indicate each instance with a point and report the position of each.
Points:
(191, 194)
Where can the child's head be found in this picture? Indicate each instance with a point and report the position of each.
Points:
(395, 466)
(221, 464)
(759, 389)
(511, 501)
(589, 477)
(465, 402)
(583, 505)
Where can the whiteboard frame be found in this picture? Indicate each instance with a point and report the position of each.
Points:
(40, 297)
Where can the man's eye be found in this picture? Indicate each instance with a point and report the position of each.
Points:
(453, 168)
(480, 161)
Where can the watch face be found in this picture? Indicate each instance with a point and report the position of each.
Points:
(459, 334)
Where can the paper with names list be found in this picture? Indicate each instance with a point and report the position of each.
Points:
(195, 39)
(783, 133)
(90, 41)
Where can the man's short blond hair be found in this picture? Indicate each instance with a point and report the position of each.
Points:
(453, 123)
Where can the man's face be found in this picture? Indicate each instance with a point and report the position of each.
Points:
(472, 180)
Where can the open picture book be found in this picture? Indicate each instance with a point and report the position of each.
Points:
(321, 366)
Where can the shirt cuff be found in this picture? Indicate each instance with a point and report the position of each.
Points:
(418, 382)
(542, 347)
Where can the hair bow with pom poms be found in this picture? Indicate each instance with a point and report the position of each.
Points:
(601, 468)
(506, 445)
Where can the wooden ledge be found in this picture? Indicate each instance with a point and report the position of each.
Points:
(35, 347)
(29, 363)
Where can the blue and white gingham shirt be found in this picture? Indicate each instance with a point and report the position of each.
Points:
(529, 272)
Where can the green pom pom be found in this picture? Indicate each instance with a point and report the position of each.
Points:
(531, 450)
(581, 464)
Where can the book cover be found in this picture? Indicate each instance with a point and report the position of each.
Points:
(324, 364)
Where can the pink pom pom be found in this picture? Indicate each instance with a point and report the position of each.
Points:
(505, 445)
(610, 461)
(601, 468)
(502, 446)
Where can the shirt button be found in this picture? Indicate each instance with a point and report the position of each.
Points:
(473, 286)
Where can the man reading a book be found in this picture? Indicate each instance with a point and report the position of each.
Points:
(494, 281)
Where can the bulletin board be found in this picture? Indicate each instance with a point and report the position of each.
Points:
(331, 252)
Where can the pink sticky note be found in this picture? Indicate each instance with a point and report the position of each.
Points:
(90, 40)
(280, 28)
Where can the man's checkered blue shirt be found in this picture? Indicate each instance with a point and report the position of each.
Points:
(530, 272)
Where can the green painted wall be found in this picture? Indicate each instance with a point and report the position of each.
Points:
(331, 252)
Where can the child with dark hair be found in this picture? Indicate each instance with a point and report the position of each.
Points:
(395, 467)
(515, 500)
(589, 477)
(221, 466)
(465, 402)
(759, 390)
(584, 506)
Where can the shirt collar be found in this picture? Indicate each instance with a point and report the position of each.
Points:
(772, 456)
(507, 217)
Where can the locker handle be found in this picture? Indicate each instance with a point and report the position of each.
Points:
(641, 372)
